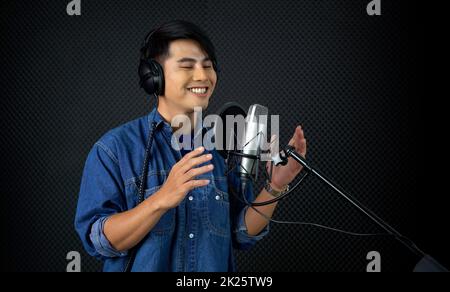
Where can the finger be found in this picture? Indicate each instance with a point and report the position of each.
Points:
(299, 136)
(274, 145)
(194, 153)
(298, 132)
(198, 171)
(292, 141)
(191, 163)
(192, 184)
(303, 148)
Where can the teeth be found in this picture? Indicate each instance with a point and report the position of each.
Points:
(199, 90)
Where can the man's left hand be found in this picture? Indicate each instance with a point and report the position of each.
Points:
(282, 175)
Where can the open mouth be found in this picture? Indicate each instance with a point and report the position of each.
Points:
(198, 90)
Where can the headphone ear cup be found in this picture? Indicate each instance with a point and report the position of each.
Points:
(151, 77)
(159, 78)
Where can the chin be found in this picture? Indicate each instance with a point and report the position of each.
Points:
(203, 105)
(190, 109)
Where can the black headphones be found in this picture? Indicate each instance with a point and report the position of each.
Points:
(151, 74)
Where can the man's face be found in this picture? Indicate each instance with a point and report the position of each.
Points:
(189, 76)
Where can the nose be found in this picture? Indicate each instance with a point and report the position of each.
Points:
(200, 74)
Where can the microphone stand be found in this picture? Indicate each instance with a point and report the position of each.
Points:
(426, 264)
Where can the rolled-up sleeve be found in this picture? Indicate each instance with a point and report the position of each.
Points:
(241, 238)
(101, 195)
(101, 243)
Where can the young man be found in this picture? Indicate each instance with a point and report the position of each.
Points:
(184, 222)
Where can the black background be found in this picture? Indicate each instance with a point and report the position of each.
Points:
(354, 81)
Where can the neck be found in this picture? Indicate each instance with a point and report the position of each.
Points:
(169, 112)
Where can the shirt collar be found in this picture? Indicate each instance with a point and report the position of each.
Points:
(155, 116)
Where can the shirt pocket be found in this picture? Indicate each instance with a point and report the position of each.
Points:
(217, 207)
(167, 221)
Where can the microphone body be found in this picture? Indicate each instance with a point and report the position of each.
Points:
(253, 138)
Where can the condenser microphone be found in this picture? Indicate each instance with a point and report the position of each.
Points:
(254, 137)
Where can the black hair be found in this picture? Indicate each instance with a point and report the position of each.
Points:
(157, 41)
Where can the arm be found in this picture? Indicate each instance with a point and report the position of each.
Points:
(281, 177)
(125, 230)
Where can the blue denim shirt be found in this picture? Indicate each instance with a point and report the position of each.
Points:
(198, 235)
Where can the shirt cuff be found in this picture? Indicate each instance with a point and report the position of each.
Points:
(245, 240)
(101, 243)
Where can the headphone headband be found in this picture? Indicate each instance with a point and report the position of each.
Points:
(147, 38)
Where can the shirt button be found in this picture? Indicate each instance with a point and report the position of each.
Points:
(191, 198)
(217, 197)
(191, 235)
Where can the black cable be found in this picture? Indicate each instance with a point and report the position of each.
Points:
(143, 179)
(279, 198)
(251, 205)
(283, 196)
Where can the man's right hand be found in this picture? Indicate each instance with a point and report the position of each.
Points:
(181, 178)
(125, 230)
